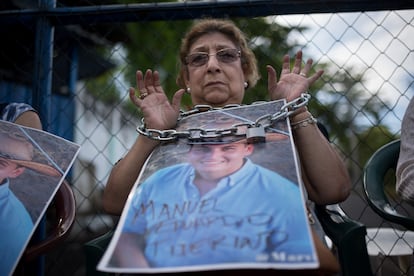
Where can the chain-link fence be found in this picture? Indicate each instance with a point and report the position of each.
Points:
(367, 53)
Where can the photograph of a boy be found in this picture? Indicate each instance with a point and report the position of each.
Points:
(214, 208)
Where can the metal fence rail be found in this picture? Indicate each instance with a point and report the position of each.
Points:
(74, 63)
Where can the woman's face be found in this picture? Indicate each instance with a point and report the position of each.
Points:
(216, 82)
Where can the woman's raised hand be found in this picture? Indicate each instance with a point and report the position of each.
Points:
(158, 112)
(292, 83)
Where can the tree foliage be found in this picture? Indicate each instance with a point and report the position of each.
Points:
(339, 99)
(159, 51)
(155, 46)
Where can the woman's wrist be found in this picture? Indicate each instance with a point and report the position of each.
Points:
(299, 116)
(298, 113)
(302, 120)
(150, 142)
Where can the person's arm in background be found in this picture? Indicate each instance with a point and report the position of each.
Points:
(405, 165)
(21, 114)
(29, 119)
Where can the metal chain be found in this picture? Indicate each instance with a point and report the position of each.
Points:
(264, 121)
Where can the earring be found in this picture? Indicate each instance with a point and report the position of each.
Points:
(188, 90)
(246, 84)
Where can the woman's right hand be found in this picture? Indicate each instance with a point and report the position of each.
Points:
(158, 112)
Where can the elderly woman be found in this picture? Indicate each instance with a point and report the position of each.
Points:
(216, 68)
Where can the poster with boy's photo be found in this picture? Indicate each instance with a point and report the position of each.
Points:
(33, 164)
(226, 196)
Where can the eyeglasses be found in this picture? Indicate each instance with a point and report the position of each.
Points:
(225, 56)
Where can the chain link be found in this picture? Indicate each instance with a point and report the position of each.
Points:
(264, 121)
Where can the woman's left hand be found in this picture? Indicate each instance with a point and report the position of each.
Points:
(291, 83)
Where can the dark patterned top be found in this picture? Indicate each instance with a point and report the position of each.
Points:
(10, 111)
